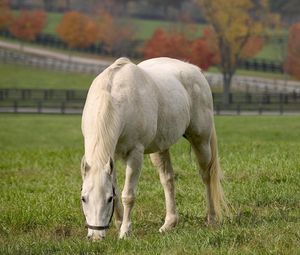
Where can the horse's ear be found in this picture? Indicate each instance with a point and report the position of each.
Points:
(109, 167)
(84, 167)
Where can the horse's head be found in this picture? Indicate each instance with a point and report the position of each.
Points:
(97, 197)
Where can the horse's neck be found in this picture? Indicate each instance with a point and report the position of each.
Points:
(101, 129)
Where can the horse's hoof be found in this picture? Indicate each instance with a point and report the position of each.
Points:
(169, 224)
(211, 221)
(164, 228)
(124, 235)
(125, 231)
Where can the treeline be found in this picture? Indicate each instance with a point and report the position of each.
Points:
(150, 9)
(156, 9)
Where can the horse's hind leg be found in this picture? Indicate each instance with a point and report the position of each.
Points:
(207, 157)
(161, 160)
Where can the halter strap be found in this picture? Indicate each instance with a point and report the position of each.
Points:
(112, 213)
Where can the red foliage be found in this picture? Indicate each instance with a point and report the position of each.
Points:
(253, 45)
(292, 63)
(77, 30)
(176, 45)
(202, 55)
(172, 44)
(27, 25)
(5, 14)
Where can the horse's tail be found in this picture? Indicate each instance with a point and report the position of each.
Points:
(216, 174)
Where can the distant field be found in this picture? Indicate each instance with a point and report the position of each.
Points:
(144, 28)
(40, 186)
(18, 76)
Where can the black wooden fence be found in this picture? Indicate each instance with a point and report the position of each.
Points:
(72, 102)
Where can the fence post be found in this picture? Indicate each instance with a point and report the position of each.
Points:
(40, 106)
(238, 109)
(218, 109)
(15, 106)
(260, 110)
(281, 107)
(63, 107)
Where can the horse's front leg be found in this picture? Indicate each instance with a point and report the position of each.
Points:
(133, 169)
(118, 213)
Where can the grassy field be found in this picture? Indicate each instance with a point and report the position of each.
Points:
(18, 76)
(40, 187)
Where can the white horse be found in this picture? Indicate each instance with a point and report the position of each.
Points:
(132, 110)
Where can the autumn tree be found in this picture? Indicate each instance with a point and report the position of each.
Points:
(27, 25)
(77, 30)
(237, 25)
(176, 44)
(5, 14)
(115, 34)
(168, 44)
(292, 63)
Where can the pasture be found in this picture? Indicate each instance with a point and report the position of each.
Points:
(40, 191)
(19, 76)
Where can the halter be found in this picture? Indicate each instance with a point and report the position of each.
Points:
(112, 213)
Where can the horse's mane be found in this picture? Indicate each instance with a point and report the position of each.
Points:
(101, 122)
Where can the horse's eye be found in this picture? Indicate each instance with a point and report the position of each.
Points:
(83, 199)
(110, 199)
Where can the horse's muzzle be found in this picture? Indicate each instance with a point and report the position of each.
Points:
(96, 236)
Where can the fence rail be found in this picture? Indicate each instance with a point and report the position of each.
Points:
(72, 102)
(132, 49)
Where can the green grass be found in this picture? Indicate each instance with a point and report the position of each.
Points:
(53, 20)
(40, 187)
(18, 76)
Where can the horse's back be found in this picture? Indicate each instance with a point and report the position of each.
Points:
(193, 84)
(155, 108)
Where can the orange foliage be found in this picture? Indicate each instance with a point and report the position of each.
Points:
(77, 30)
(5, 14)
(292, 62)
(176, 45)
(110, 32)
(27, 25)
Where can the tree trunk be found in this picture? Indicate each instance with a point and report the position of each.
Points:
(227, 77)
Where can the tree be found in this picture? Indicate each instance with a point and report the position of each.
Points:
(202, 54)
(292, 62)
(77, 30)
(115, 34)
(5, 14)
(27, 25)
(175, 44)
(168, 44)
(235, 24)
